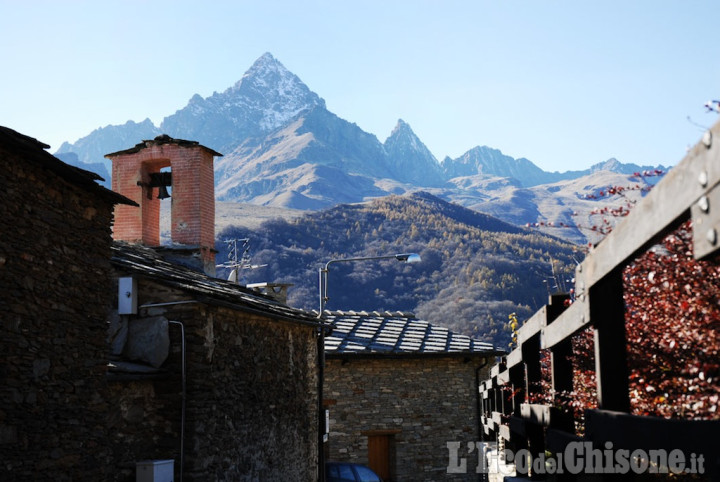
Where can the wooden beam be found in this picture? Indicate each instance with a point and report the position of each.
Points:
(665, 205)
(497, 419)
(504, 432)
(557, 440)
(653, 433)
(536, 413)
(572, 320)
(706, 223)
(517, 426)
(532, 326)
(514, 358)
(533, 370)
(607, 309)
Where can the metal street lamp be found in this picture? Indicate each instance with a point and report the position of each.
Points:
(323, 272)
(323, 289)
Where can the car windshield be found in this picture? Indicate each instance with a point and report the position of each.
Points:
(366, 475)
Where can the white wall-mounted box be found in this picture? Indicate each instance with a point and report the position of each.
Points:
(154, 471)
(127, 296)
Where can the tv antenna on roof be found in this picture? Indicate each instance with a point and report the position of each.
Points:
(237, 261)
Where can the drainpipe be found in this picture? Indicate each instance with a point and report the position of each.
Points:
(184, 378)
(478, 407)
(321, 410)
(184, 392)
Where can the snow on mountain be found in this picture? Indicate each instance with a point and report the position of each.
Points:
(264, 99)
(92, 148)
(283, 148)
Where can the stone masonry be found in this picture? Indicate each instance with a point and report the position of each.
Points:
(419, 402)
(55, 290)
(251, 405)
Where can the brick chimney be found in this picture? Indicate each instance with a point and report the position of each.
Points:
(135, 175)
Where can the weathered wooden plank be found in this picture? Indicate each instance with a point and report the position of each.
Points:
(607, 309)
(557, 440)
(517, 426)
(497, 419)
(663, 207)
(533, 370)
(532, 326)
(517, 380)
(632, 432)
(706, 223)
(504, 432)
(503, 377)
(572, 320)
(514, 358)
(536, 413)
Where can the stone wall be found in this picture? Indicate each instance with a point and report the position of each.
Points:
(419, 403)
(54, 297)
(251, 407)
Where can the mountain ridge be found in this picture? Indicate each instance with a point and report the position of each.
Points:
(284, 148)
(475, 269)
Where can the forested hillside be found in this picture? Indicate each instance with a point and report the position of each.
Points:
(475, 269)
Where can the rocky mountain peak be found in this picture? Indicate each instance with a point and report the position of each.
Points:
(269, 85)
(267, 97)
(410, 158)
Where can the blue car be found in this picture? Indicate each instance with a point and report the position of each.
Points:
(347, 472)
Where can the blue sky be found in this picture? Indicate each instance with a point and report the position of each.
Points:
(565, 84)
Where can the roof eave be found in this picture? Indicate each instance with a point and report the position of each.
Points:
(409, 355)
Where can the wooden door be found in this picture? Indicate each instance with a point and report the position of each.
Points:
(379, 455)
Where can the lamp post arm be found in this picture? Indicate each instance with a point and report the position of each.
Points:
(391, 256)
(323, 272)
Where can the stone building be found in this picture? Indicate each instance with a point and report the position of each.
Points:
(120, 355)
(222, 379)
(397, 390)
(213, 376)
(55, 292)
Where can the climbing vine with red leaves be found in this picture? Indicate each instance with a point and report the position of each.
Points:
(672, 321)
(673, 330)
(603, 219)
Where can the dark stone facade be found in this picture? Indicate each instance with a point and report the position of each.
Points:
(55, 291)
(251, 403)
(250, 408)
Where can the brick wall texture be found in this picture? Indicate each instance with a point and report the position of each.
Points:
(422, 403)
(192, 197)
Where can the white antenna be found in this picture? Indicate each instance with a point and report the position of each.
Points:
(236, 261)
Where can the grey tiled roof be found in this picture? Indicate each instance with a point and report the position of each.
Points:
(394, 334)
(146, 262)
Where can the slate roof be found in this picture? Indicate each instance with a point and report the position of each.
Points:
(377, 334)
(146, 262)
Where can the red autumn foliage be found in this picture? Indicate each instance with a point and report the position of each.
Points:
(673, 331)
(604, 225)
(672, 321)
